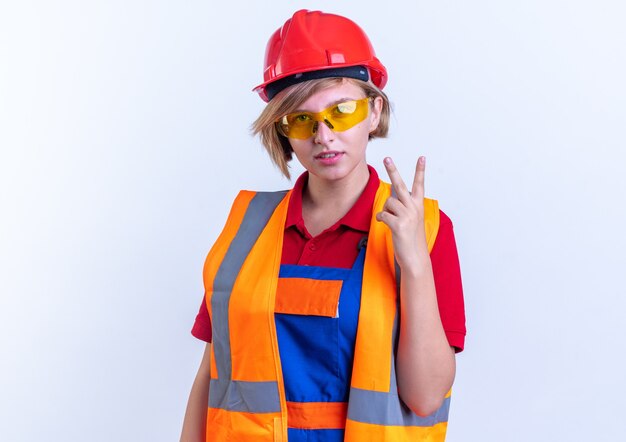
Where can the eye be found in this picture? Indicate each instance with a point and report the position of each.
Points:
(301, 118)
(347, 107)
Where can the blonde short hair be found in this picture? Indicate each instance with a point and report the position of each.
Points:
(288, 100)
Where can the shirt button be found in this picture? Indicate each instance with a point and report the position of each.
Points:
(312, 246)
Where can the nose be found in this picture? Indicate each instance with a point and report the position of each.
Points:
(323, 133)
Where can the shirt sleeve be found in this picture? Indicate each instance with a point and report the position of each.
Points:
(202, 326)
(447, 276)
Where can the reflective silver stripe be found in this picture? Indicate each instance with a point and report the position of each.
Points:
(238, 395)
(374, 407)
(250, 397)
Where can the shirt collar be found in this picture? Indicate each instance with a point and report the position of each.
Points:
(357, 218)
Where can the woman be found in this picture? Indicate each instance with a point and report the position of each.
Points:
(334, 309)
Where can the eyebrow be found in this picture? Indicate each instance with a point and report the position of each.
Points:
(341, 100)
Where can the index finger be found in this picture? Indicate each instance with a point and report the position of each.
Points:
(396, 180)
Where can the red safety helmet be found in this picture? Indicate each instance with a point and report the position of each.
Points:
(313, 41)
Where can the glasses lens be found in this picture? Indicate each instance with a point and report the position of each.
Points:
(348, 114)
(339, 117)
(298, 125)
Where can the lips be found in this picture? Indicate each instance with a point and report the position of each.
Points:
(328, 158)
(327, 155)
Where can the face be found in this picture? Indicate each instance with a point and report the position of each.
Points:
(332, 155)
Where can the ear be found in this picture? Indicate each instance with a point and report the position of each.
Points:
(376, 109)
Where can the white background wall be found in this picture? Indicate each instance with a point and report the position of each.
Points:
(124, 137)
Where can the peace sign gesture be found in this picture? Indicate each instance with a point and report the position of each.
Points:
(404, 215)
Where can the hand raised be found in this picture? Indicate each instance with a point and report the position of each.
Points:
(404, 214)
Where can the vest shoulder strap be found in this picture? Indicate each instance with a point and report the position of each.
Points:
(253, 207)
(431, 221)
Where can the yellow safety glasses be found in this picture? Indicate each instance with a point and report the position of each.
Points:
(338, 117)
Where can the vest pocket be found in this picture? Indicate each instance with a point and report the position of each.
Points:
(304, 296)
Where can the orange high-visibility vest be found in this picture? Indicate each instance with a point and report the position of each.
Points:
(246, 396)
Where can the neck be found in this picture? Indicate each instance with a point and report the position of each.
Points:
(324, 202)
